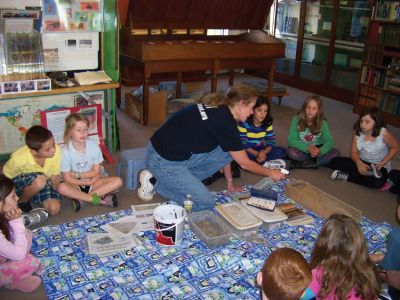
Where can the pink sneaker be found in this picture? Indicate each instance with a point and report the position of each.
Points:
(109, 200)
(386, 187)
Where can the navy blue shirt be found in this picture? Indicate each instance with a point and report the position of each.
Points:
(197, 129)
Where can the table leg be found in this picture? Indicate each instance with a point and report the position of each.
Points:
(179, 85)
(270, 79)
(145, 100)
(231, 76)
(214, 75)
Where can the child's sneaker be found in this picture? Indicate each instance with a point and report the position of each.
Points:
(386, 186)
(146, 190)
(77, 204)
(109, 200)
(339, 175)
(35, 216)
(275, 164)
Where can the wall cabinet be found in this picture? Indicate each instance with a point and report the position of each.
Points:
(324, 41)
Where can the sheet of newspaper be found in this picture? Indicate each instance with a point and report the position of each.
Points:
(122, 227)
(142, 220)
(105, 244)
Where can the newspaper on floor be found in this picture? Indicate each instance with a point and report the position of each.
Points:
(122, 227)
(105, 244)
(129, 225)
(144, 209)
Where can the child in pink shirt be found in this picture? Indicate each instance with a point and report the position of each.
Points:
(16, 263)
(341, 267)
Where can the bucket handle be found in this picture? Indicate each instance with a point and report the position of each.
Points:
(169, 228)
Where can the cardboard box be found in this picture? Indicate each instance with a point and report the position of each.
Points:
(318, 201)
(157, 107)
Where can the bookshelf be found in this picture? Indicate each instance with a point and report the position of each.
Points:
(379, 83)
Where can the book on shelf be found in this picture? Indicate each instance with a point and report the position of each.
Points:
(394, 80)
(295, 215)
(387, 10)
(389, 34)
(393, 87)
(390, 104)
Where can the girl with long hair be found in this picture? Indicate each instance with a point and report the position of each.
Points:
(341, 267)
(372, 149)
(81, 167)
(310, 140)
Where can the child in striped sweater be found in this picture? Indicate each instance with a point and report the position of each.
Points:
(258, 135)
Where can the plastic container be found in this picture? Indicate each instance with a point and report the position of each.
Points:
(240, 219)
(271, 219)
(209, 228)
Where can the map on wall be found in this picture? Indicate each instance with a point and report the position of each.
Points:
(18, 115)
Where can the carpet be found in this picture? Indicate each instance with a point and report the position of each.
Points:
(152, 271)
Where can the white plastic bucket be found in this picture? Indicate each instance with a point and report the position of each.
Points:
(168, 224)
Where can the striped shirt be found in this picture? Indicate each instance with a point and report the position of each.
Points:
(256, 138)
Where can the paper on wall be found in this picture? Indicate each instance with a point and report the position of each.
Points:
(70, 51)
(20, 4)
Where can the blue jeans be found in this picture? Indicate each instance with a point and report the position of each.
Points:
(176, 179)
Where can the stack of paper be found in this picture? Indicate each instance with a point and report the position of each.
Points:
(88, 78)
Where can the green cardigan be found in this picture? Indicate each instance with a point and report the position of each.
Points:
(302, 139)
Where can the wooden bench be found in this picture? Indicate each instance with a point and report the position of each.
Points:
(260, 87)
(280, 95)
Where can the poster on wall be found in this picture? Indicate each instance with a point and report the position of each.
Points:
(72, 15)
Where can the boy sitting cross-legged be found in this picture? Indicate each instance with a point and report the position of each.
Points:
(35, 170)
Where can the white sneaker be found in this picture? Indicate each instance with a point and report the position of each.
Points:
(339, 175)
(275, 164)
(35, 216)
(146, 189)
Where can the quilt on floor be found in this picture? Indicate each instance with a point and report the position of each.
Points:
(152, 271)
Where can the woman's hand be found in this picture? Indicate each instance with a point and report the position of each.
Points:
(362, 168)
(233, 188)
(277, 175)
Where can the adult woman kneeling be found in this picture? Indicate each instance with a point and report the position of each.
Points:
(196, 142)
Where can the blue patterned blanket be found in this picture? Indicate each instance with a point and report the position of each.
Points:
(152, 271)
